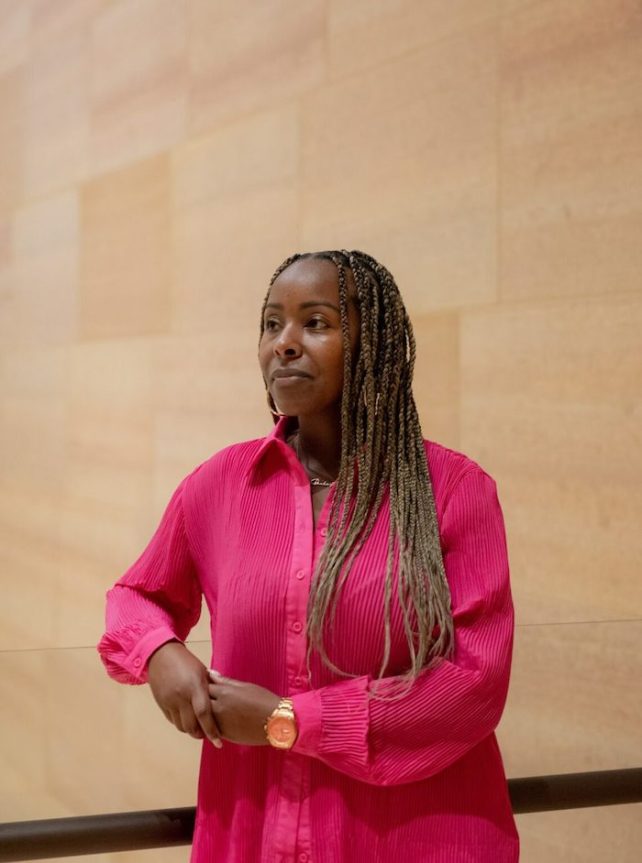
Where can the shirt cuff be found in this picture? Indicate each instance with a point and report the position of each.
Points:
(332, 719)
(136, 662)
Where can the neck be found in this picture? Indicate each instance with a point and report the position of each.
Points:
(320, 441)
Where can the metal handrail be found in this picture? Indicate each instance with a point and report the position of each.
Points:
(158, 828)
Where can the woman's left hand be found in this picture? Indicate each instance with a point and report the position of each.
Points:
(240, 709)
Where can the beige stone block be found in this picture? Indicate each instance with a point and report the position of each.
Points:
(236, 219)
(53, 19)
(242, 63)
(97, 545)
(572, 707)
(105, 518)
(5, 244)
(570, 434)
(225, 252)
(208, 395)
(29, 565)
(125, 256)
(11, 139)
(582, 835)
(550, 406)
(61, 750)
(23, 745)
(364, 34)
(139, 80)
(57, 112)
(178, 854)
(259, 151)
(40, 278)
(84, 731)
(110, 428)
(571, 169)
(573, 703)
(15, 29)
(162, 761)
(32, 399)
(32, 464)
(401, 161)
(575, 548)
(436, 378)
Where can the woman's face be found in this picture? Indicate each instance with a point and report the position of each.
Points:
(301, 349)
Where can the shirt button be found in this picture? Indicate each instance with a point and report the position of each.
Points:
(303, 857)
(137, 661)
(297, 627)
(298, 681)
(300, 574)
(324, 532)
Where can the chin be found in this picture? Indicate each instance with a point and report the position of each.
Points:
(291, 408)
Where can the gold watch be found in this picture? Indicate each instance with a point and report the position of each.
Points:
(280, 726)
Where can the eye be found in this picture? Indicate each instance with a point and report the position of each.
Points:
(317, 324)
(271, 324)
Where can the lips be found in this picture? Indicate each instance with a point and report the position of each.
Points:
(288, 374)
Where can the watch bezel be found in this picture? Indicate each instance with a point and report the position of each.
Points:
(284, 712)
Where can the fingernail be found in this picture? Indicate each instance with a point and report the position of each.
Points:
(214, 671)
(215, 741)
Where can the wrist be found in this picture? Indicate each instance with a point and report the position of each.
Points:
(163, 649)
(281, 728)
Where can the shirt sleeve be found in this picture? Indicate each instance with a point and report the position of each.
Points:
(158, 599)
(451, 707)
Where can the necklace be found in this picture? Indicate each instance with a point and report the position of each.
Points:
(314, 480)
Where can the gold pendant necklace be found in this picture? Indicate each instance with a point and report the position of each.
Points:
(323, 483)
(314, 480)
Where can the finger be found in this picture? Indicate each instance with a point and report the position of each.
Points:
(190, 723)
(214, 691)
(217, 677)
(175, 719)
(205, 717)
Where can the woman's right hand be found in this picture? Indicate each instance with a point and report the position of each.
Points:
(179, 683)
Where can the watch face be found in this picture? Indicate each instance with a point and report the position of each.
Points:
(282, 730)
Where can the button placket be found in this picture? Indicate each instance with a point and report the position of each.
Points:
(290, 831)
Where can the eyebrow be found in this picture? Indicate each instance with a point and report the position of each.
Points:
(306, 305)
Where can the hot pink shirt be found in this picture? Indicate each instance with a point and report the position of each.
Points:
(419, 779)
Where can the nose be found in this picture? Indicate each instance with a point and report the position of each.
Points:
(288, 343)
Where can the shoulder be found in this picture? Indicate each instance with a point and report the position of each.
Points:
(447, 468)
(226, 465)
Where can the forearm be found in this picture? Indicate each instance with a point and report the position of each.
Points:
(446, 713)
(136, 626)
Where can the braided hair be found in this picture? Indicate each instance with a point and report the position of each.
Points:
(386, 446)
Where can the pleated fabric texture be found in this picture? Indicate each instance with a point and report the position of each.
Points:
(417, 779)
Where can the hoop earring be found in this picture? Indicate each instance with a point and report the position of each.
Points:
(272, 405)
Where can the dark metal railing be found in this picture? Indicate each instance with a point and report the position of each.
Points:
(133, 831)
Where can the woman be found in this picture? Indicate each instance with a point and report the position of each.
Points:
(358, 586)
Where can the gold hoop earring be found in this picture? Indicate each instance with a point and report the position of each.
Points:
(272, 405)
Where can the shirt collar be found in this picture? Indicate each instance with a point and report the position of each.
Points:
(274, 438)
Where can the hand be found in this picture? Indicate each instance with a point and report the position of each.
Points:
(240, 709)
(179, 682)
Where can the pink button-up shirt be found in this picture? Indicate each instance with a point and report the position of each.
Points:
(416, 779)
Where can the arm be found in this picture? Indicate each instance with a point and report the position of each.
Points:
(455, 705)
(157, 600)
